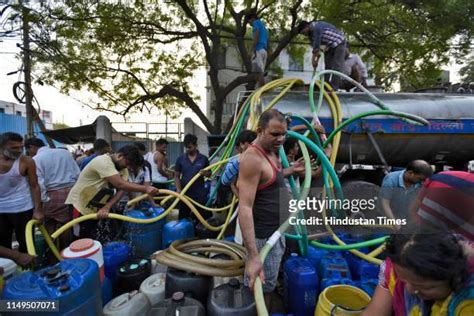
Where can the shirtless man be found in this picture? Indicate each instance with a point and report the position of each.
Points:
(20, 195)
(159, 164)
(261, 189)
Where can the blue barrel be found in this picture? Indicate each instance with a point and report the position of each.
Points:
(352, 260)
(176, 230)
(115, 253)
(367, 270)
(367, 285)
(107, 291)
(145, 204)
(334, 267)
(301, 286)
(145, 238)
(328, 282)
(230, 238)
(329, 240)
(314, 255)
(74, 283)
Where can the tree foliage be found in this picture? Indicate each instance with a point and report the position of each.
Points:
(135, 55)
(142, 54)
(467, 72)
(405, 40)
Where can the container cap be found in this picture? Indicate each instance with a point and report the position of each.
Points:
(177, 297)
(234, 283)
(135, 265)
(64, 288)
(81, 245)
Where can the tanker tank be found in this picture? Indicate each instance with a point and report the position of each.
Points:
(447, 140)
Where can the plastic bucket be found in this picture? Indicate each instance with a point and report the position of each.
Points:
(341, 300)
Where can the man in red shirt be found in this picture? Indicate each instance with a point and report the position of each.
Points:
(447, 200)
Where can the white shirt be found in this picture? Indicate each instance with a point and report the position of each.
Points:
(354, 60)
(15, 193)
(142, 176)
(56, 169)
(156, 176)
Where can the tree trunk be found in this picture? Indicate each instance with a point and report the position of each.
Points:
(218, 110)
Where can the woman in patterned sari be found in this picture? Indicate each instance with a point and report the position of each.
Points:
(426, 273)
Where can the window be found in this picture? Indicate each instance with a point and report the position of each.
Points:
(2, 110)
(228, 108)
(18, 113)
(295, 64)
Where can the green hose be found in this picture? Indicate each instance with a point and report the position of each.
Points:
(358, 245)
(310, 128)
(229, 148)
(261, 309)
(315, 109)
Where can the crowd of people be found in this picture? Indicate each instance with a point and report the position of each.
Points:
(429, 262)
(54, 186)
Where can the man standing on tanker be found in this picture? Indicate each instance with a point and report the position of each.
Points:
(334, 40)
(262, 192)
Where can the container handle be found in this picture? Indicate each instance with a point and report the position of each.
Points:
(57, 278)
(350, 311)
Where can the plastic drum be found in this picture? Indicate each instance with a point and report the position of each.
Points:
(86, 248)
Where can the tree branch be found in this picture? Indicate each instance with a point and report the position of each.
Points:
(131, 74)
(240, 38)
(289, 36)
(208, 13)
(169, 90)
(237, 82)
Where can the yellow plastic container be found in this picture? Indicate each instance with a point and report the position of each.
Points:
(338, 300)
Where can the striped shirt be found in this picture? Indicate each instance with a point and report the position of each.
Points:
(324, 33)
(231, 171)
(447, 200)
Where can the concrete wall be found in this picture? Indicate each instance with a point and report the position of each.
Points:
(192, 128)
(12, 108)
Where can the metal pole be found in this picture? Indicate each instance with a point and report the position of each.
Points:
(27, 70)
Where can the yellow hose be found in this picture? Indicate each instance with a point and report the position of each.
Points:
(210, 209)
(227, 220)
(376, 252)
(256, 98)
(176, 257)
(332, 159)
(30, 243)
(57, 233)
(336, 112)
(190, 183)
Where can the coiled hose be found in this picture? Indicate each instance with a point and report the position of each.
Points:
(181, 255)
